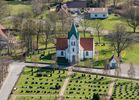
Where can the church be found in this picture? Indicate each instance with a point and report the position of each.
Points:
(74, 48)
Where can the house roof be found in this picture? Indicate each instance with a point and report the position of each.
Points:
(61, 43)
(97, 10)
(76, 4)
(113, 57)
(85, 43)
(73, 31)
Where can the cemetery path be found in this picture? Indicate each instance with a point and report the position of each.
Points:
(61, 93)
(110, 89)
(13, 96)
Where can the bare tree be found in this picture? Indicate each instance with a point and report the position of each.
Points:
(131, 71)
(3, 9)
(98, 27)
(120, 39)
(28, 30)
(131, 13)
(4, 65)
(84, 24)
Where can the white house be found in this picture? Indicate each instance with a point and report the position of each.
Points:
(74, 48)
(113, 62)
(97, 13)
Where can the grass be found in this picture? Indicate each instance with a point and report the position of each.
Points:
(47, 58)
(42, 82)
(16, 8)
(35, 98)
(132, 54)
(110, 22)
(126, 90)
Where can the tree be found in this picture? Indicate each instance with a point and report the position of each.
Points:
(132, 16)
(98, 27)
(131, 71)
(115, 2)
(120, 39)
(28, 30)
(84, 24)
(37, 6)
(3, 9)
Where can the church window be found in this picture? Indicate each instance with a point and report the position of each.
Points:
(87, 53)
(73, 49)
(74, 43)
(62, 53)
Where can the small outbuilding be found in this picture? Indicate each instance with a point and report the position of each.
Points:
(113, 62)
(97, 13)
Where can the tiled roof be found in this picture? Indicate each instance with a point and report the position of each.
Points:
(61, 43)
(85, 43)
(97, 10)
(77, 4)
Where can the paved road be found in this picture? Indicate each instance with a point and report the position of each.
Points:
(124, 70)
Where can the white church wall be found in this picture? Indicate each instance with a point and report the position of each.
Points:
(90, 54)
(59, 54)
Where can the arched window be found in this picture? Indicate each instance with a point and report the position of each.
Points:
(87, 53)
(62, 53)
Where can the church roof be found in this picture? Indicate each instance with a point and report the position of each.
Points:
(86, 44)
(73, 31)
(61, 43)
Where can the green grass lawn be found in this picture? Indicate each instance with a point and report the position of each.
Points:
(83, 86)
(132, 54)
(16, 8)
(42, 82)
(110, 22)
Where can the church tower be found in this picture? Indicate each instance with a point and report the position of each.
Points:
(73, 44)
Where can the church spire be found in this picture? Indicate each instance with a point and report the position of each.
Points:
(73, 31)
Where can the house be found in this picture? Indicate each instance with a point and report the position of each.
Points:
(97, 13)
(113, 62)
(76, 4)
(73, 48)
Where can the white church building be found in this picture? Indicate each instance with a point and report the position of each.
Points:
(74, 48)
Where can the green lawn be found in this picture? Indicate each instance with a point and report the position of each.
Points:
(110, 22)
(132, 54)
(43, 82)
(16, 8)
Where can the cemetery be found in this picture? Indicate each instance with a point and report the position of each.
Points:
(125, 90)
(83, 86)
(39, 81)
